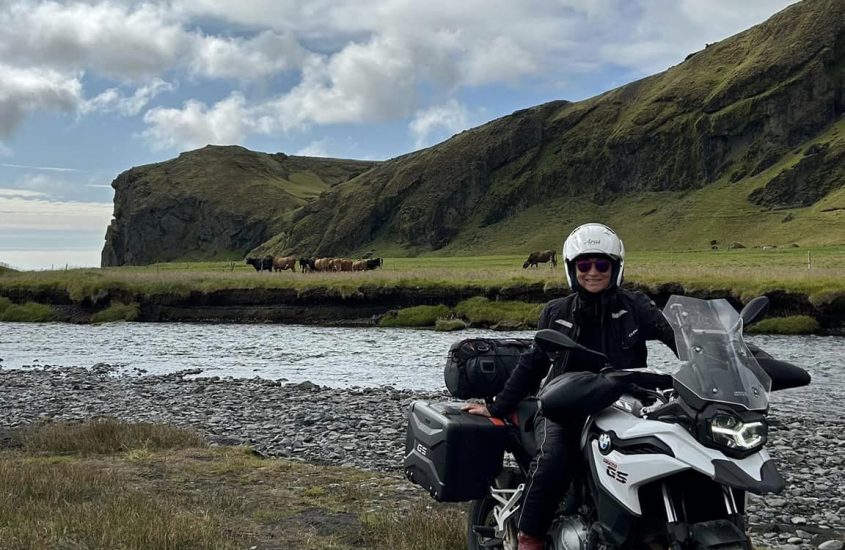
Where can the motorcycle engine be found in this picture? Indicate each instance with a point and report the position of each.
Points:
(569, 533)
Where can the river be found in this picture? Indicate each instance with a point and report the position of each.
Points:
(330, 356)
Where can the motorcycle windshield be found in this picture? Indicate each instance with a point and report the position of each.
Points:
(716, 364)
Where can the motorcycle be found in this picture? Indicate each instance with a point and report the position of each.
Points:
(668, 464)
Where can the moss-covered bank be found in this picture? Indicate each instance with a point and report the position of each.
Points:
(509, 306)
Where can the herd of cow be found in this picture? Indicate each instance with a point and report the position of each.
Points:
(281, 263)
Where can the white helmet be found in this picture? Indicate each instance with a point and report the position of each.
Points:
(589, 239)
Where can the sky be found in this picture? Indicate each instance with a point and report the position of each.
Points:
(89, 89)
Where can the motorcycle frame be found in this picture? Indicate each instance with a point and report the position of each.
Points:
(509, 502)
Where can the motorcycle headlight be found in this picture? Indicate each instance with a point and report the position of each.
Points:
(733, 433)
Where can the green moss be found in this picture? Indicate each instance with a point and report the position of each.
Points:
(117, 312)
(29, 312)
(449, 325)
(480, 310)
(796, 324)
(417, 316)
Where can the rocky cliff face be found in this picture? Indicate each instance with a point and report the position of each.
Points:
(728, 113)
(216, 202)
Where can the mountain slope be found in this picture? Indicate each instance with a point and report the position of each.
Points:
(753, 121)
(213, 202)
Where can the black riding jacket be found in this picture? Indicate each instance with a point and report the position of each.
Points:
(616, 322)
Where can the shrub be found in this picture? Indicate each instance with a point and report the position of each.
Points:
(29, 312)
(117, 312)
(417, 316)
(106, 435)
(796, 324)
(480, 310)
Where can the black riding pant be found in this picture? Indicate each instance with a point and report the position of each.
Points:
(550, 473)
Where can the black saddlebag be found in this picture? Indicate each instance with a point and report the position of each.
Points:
(479, 367)
(452, 454)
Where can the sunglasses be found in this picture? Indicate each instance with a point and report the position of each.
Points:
(602, 266)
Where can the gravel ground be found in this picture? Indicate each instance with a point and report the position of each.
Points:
(365, 428)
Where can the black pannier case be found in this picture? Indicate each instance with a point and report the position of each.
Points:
(452, 454)
(479, 367)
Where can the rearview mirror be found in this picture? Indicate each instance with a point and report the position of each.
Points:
(552, 340)
(754, 310)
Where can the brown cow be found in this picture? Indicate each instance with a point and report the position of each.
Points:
(281, 263)
(323, 264)
(346, 265)
(360, 265)
(541, 257)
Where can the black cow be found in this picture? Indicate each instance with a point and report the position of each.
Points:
(541, 257)
(374, 263)
(261, 264)
(306, 264)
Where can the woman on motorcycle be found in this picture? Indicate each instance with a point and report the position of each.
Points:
(601, 316)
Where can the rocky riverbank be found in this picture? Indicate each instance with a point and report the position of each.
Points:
(365, 428)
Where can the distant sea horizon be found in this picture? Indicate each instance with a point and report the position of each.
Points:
(46, 259)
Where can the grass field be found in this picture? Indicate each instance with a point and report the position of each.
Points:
(106, 484)
(109, 484)
(742, 272)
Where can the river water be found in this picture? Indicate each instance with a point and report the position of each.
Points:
(330, 356)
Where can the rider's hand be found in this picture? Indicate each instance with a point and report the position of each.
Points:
(476, 408)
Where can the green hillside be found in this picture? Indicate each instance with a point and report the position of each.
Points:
(741, 142)
(215, 202)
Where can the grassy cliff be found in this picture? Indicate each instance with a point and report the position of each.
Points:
(212, 203)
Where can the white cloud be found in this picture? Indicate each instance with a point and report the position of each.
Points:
(134, 41)
(23, 91)
(266, 54)
(47, 168)
(18, 213)
(298, 64)
(62, 187)
(19, 193)
(196, 125)
(443, 119)
(113, 100)
(122, 41)
(316, 148)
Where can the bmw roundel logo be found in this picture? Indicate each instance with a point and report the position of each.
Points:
(604, 443)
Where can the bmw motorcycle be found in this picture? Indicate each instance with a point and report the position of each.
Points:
(668, 463)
